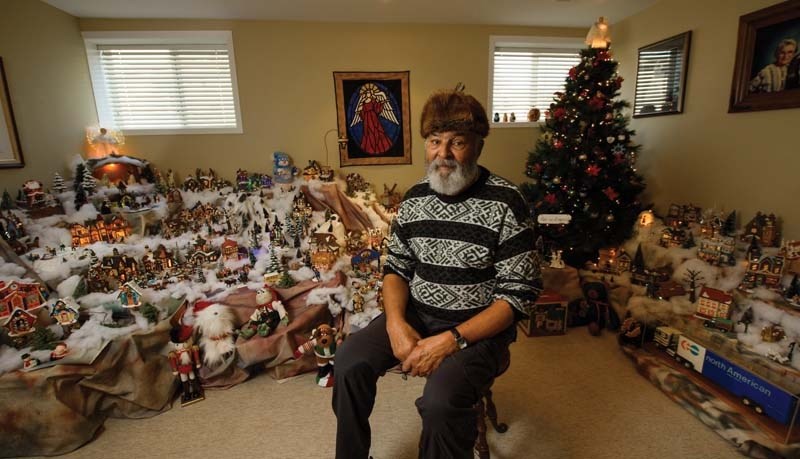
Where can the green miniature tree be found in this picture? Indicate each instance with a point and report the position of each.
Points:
(80, 173)
(58, 183)
(583, 165)
(43, 338)
(729, 227)
(689, 242)
(150, 313)
(285, 281)
(6, 203)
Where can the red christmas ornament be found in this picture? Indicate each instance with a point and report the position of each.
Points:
(573, 72)
(538, 168)
(612, 195)
(593, 170)
(619, 158)
(557, 144)
(603, 55)
(550, 198)
(559, 113)
(596, 103)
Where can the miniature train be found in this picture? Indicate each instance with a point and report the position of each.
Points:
(760, 395)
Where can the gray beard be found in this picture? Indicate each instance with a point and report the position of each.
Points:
(456, 181)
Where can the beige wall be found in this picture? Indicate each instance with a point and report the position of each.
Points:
(48, 80)
(287, 96)
(739, 161)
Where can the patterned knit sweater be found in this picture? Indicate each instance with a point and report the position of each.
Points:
(461, 253)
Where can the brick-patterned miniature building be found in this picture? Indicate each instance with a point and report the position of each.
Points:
(763, 272)
(765, 228)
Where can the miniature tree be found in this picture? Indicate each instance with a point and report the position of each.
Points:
(43, 338)
(80, 198)
(747, 318)
(754, 249)
(77, 181)
(88, 183)
(583, 165)
(692, 277)
(638, 260)
(58, 183)
(285, 281)
(150, 313)
(689, 242)
(793, 289)
(729, 227)
(6, 203)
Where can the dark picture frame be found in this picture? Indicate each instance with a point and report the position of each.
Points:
(10, 148)
(765, 38)
(661, 76)
(373, 117)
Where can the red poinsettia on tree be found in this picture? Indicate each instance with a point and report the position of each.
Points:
(584, 163)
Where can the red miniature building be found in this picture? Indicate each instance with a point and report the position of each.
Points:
(547, 316)
(19, 295)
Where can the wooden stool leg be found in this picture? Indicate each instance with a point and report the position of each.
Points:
(491, 413)
(481, 446)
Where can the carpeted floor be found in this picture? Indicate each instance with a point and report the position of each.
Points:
(573, 396)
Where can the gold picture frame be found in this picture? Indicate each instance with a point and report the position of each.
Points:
(10, 148)
(373, 117)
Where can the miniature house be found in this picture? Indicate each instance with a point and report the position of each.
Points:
(713, 303)
(118, 168)
(765, 228)
(63, 313)
(19, 295)
(718, 250)
(765, 271)
(130, 295)
(20, 323)
(230, 250)
(548, 316)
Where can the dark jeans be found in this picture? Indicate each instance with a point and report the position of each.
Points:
(447, 402)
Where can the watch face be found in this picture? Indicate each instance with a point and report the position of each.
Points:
(462, 343)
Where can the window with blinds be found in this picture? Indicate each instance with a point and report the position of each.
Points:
(660, 77)
(526, 75)
(165, 83)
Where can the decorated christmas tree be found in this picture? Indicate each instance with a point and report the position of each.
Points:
(58, 183)
(583, 165)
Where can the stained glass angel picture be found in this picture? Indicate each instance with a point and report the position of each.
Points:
(373, 118)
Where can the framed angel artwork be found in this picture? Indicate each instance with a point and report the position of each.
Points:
(373, 117)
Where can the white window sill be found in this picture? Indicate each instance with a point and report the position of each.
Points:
(517, 124)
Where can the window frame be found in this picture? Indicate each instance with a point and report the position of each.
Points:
(530, 42)
(190, 37)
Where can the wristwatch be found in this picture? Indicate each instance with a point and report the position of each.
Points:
(460, 341)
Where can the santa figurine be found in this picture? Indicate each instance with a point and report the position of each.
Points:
(213, 323)
(267, 316)
(184, 361)
(323, 342)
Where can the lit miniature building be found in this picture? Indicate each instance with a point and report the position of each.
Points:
(714, 304)
(765, 228)
(130, 295)
(772, 333)
(763, 272)
(681, 215)
(375, 237)
(672, 237)
(646, 218)
(548, 316)
(120, 267)
(324, 251)
(718, 250)
(109, 229)
(614, 261)
(19, 295)
(118, 168)
(63, 313)
(20, 323)
(711, 227)
(230, 250)
(311, 172)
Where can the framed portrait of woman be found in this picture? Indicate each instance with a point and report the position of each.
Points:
(766, 75)
(10, 149)
(373, 117)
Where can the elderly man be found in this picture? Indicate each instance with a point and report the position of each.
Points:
(461, 269)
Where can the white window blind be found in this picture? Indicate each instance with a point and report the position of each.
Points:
(171, 83)
(658, 80)
(526, 77)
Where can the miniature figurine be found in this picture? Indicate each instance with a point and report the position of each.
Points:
(630, 331)
(29, 362)
(65, 315)
(322, 343)
(555, 260)
(61, 350)
(282, 170)
(268, 315)
(214, 322)
(184, 361)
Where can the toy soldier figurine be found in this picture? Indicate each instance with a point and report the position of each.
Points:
(184, 360)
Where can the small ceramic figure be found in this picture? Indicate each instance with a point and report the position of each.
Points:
(184, 361)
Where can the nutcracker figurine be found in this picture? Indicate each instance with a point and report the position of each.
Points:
(184, 360)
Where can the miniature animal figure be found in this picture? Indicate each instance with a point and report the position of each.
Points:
(322, 343)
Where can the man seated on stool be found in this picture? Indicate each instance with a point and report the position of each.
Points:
(460, 270)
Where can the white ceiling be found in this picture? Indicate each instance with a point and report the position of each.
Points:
(564, 13)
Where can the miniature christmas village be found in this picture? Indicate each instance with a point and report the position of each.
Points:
(108, 252)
